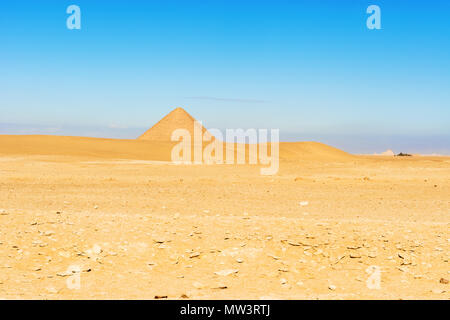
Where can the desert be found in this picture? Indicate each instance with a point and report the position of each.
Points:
(92, 218)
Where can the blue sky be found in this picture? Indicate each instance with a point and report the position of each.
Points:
(310, 68)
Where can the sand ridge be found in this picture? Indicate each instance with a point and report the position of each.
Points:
(143, 149)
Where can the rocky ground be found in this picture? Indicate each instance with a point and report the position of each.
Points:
(372, 228)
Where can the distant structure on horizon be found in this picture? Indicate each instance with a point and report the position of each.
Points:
(163, 129)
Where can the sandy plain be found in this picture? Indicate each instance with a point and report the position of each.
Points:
(139, 227)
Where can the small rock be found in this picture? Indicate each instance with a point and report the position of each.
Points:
(160, 297)
(97, 249)
(438, 291)
(303, 203)
(226, 272)
(220, 286)
(332, 287)
(443, 281)
(51, 290)
(64, 254)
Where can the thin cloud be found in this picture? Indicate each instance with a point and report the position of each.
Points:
(227, 99)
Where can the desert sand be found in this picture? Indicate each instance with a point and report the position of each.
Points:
(138, 227)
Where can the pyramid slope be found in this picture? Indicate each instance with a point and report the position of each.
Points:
(176, 119)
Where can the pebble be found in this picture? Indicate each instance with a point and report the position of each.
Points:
(220, 286)
(438, 291)
(97, 249)
(226, 272)
(51, 290)
(443, 281)
(332, 287)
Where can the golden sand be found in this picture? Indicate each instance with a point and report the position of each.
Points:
(138, 226)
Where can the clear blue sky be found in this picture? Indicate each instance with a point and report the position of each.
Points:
(310, 68)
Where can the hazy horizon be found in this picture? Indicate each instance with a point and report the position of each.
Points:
(362, 144)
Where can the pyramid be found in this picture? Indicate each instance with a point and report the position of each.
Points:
(176, 119)
(388, 152)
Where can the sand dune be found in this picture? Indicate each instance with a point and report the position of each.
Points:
(84, 147)
(141, 149)
(311, 151)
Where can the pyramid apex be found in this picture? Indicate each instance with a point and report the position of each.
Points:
(179, 109)
(178, 118)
